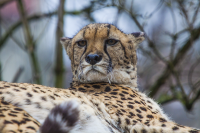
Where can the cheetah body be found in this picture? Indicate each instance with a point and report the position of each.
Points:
(123, 110)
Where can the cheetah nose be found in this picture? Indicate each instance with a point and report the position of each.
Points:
(93, 58)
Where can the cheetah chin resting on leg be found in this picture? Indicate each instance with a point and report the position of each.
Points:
(103, 62)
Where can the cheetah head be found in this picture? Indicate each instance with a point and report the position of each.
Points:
(103, 53)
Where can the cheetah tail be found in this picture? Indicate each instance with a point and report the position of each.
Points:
(62, 118)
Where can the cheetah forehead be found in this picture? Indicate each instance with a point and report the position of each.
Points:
(103, 31)
(100, 31)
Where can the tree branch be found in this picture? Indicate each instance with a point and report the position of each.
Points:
(30, 43)
(59, 68)
(18, 74)
(180, 55)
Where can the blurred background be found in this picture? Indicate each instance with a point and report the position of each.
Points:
(168, 60)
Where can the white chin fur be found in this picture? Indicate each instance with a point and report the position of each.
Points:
(98, 69)
(119, 77)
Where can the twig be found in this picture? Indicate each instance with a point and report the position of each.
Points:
(196, 13)
(148, 53)
(175, 36)
(20, 44)
(165, 100)
(197, 84)
(42, 32)
(185, 98)
(197, 96)
(180, 2)
(173, 47)
(18, 74)
(192, 68)
(157, 8)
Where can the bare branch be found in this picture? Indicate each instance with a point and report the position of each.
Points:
(30, 43)
(197, 84)
(185, 98)
(179, 56)
(18, 74)
(181, 2)
(192, 68)
(163, 99)
(59, 68)
(197, 96)
(196, 13)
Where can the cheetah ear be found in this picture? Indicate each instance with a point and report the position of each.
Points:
(139, 37)
(65, 41)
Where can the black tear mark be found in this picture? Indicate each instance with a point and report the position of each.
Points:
(95, 32)
(108, 31)
(123, 50)
(109, 69)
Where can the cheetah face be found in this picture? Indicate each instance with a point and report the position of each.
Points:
(103, 53)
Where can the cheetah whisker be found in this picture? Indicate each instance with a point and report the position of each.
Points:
(108, 79)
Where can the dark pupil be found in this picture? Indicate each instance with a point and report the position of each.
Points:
(82, 43)
(111, 41)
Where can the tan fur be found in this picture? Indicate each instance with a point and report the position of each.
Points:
(15, 119)
(108, 88)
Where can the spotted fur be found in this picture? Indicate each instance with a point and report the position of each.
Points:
(106, 91)
(14, 119)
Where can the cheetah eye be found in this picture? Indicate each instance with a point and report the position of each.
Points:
(82, 43)
(111, 42)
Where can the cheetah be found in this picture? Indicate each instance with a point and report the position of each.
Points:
(103, 62)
